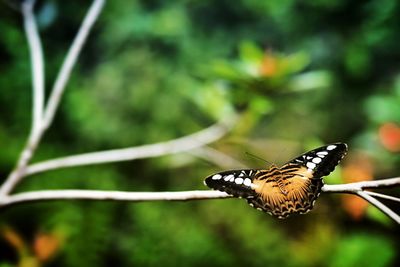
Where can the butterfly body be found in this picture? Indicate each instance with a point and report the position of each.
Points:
(282, 191)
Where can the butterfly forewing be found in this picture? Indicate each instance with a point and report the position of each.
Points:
(292, 188)
(321, 161)
(236, 182)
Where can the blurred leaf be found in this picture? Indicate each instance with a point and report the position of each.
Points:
(383, 108)
(224, 69)
(363, 250)
(163, 25)
(28, 262)
(310, 80)
(295, 62)
(249, 52)
(321, 233)
(377, 215)
(47, 14)
(357, 60)
(15, 240)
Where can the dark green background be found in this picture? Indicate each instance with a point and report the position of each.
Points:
(157, 70)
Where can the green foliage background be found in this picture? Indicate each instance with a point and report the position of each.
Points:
(300, 73)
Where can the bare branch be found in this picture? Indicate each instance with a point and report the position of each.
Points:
(359, 189)
(35, 136)
(46, 195)
(38, 98)
(186, 143)
(70, 60)
(359, 186)
(383, 196)
(36, 53)
(109, 195)
(380, 206)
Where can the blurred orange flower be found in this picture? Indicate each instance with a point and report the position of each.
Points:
(389, 136)
(45, 246)
(269, 65)
(359, 168)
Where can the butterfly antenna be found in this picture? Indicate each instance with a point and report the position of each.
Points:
(259, 158)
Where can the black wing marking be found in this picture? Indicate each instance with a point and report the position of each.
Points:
(321, 161)
(235, 182)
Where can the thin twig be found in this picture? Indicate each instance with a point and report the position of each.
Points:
(70, 60)
(380, 206)
(359, 186)
(383, 196)
(185, 143)
(36, 53)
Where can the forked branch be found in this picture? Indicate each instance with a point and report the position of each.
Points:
(360, 189)
(42, 119)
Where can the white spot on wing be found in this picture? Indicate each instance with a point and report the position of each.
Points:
(322, 153)
(239, 180)
(310, 165)
(316, 160)
(331, 147)
(216, 177)
(228, 177)
(247, 182)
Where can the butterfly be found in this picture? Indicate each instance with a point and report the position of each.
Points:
(282, 191)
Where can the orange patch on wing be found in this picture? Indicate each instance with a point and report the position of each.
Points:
(269, 192)
(299, 184)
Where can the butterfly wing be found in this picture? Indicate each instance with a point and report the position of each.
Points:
(259, 187)
(235, 182)
(302, 179)
(320, 161)
(293, 188)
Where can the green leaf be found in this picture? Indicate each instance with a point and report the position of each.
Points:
(250, 52)
(311, 80)
(377, 215)
(365, 250)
